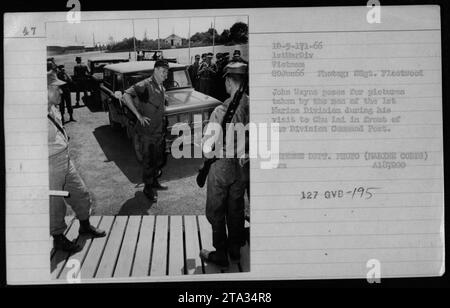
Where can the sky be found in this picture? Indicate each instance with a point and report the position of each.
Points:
(101, 31)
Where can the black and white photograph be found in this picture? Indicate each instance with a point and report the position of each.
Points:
(135, 139)
(129, 105)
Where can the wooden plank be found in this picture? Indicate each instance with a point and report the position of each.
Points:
(193, 261)
(141, 260)
(123, 267)
(93, 256)
(206, 240)
(159, 254)
(112, 249)
(85, 242)
(60, 258)
(176, 251)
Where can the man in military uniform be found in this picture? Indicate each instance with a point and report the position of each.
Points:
(227, 176)
(66, 101)
(193, 72)
(51, 64)
(221, 63)
(64, 176)
(206, 73)
(149, 110)
(81, 74)
(237, 57)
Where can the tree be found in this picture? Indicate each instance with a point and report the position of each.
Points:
(224, 38)
(239, 32)
(145, 36)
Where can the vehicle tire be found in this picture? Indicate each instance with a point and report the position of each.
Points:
(112, 124)
(137, 147)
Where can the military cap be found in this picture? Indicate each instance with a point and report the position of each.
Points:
(61, 66)
(219, 55)
(235, 68)
(52, 79)
(237, 53)
(225, 54)
(161, 63)
(197, 56)
(77, 59)
(209, 55)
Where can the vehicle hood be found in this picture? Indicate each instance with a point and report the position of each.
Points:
(185, 100)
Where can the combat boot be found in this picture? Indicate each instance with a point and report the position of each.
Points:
(148, 192)
(87, 229)
(218, 258)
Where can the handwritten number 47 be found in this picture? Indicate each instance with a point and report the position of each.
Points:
(26, 32)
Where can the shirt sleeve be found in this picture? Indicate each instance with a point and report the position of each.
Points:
(242, 116)
(214, 68)
(139, 89)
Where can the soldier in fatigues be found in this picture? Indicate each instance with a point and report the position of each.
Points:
(66, 101)
(206, 73)
(193, 72)
(228, 176)
(63, 176)
(150, 127)
(80, 75)
(221, 63)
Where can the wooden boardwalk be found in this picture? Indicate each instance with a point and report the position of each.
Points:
(138, 246)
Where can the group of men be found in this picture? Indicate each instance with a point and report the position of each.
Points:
(228, 176)
(207, 76)
(80, 76)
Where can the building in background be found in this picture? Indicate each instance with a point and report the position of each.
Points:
(173, 40)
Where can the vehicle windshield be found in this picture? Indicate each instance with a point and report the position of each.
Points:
(97, 67)
(152, 55)
(177, 78)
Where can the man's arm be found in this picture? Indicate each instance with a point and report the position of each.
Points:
(201, 69)
(213, 69)
(69, 79)
(128, 100)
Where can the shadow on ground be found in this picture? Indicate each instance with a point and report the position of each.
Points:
(118, 149)
(138, 205)
(92, 102)
(58, 256)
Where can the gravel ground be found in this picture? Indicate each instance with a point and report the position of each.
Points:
(106, 162)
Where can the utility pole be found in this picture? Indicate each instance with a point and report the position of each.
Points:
(159, 47)
(134, 39)
(189, 42)
(214, 32)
